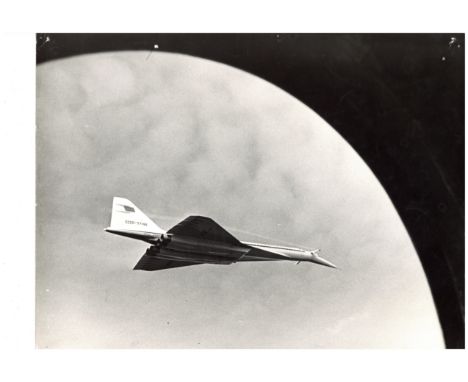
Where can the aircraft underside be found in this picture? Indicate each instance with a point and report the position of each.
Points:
(209, 253)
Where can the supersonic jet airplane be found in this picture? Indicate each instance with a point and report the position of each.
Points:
(195, 240)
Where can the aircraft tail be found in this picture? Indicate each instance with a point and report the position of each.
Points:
(128, 220)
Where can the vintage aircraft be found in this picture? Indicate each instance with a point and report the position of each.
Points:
(195, 240)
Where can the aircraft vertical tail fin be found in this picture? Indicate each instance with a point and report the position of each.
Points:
(126, 217)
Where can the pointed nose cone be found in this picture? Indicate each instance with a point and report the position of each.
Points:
(322, 261)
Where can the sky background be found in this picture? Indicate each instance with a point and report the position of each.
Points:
(179, 135)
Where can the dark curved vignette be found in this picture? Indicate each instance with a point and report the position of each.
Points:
(398, 99)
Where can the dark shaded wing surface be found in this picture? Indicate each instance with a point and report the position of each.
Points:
(151, 263)
(203, 228)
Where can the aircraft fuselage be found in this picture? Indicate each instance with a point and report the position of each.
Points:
(182, 248)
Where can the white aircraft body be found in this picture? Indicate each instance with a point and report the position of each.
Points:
(195, 240)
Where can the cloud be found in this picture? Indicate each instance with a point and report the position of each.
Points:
(179, 135)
